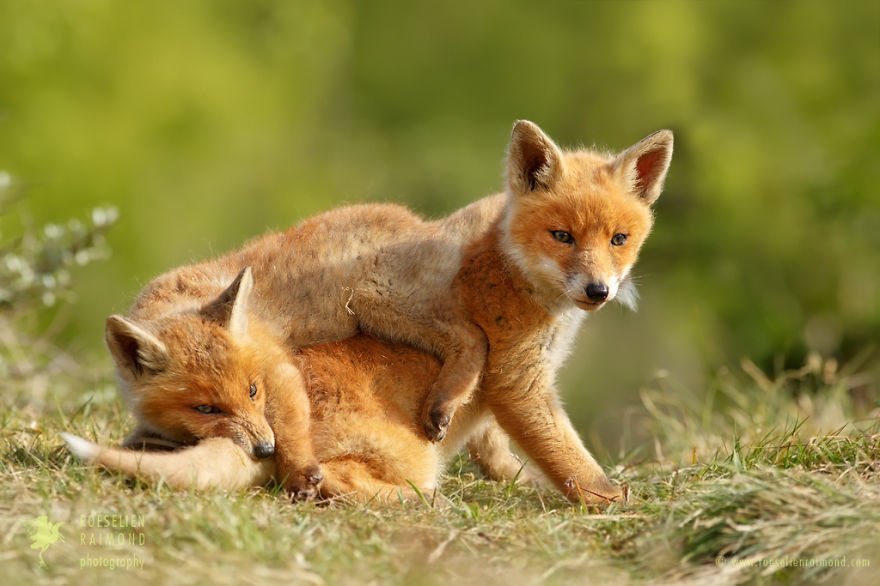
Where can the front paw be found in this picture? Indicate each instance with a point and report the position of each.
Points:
(303, 485)
(436, 423)
(601, 493)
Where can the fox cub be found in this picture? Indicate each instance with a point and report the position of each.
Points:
(365, 396)
(496, 291)
(564, 243)
(347, 409)
(210, 371)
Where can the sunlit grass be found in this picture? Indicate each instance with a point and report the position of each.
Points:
(754, 491)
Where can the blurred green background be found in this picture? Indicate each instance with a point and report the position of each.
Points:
(206, 123)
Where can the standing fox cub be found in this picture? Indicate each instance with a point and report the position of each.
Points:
(496, 291)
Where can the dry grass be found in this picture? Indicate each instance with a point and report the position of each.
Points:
(759, 480)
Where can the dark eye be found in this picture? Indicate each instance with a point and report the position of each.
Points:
(618, 239)
(253, 392)
(207, 409)
(562, 236)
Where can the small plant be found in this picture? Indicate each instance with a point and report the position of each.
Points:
(35, 279)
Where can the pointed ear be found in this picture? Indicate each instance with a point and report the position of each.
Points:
(135, 350)
(533, 159)
(230, 308)
(643, 166)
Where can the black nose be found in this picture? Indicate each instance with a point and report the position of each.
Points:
(264, 450)
(597, 291)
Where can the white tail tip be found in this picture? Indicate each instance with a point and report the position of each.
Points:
(81, 448)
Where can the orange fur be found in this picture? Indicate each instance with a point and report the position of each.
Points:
(524, 287)
(365, 396)
(220, 357)
(495, 291)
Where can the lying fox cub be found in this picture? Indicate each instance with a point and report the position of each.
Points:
(359, 399)
(495, 291)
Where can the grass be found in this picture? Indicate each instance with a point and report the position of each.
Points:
(757, 480)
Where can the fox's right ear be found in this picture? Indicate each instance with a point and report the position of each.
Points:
(230, 308)
(533, 159)
(135, 350)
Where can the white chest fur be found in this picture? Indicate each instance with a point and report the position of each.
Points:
(568, 322)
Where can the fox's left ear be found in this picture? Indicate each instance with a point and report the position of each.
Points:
(643, 166)
(230, 308)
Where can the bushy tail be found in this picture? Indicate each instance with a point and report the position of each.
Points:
(213, 463)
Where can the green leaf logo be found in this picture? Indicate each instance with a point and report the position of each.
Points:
(44, 534)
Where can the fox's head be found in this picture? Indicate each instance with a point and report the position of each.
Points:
(575, 220)
(196, 375)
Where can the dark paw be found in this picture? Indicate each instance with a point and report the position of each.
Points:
(437, 425)
(305, 486)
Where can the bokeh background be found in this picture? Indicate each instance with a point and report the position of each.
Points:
(205, 123)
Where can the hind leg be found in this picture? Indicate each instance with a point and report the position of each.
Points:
(489, 447)
(354, 479)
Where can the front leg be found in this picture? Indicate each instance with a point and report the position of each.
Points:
(462, 349)
(288, 413)
(531, 414)
(440, 329)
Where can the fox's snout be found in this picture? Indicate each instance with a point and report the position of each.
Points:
(597, 292)
(264, 449)
(250, 431)
(257, 438)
